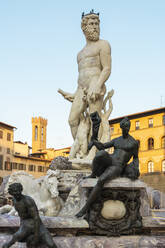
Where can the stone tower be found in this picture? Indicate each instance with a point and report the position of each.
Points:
(39, 125)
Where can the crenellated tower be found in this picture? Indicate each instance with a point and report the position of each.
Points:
(39, 126)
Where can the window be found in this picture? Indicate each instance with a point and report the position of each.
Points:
(150, 166)
(163, 142)
(8, 150)
(36, 132)
(40, 169)
(1, 134)
(9, 136)
(31, 167)
(150, 122)
(1, 162)
(15, 166)
(150, 143)
(111, 130)
(137, 125)
(21, 166)
(8, 166)
(163, 119)
(163, 166)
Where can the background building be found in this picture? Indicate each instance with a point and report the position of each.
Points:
(6, 147)
(149, 129)
(34, 166)
(21, 148)
(39, 133)
(15, 155)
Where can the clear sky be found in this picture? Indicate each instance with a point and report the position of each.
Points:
(39, 42)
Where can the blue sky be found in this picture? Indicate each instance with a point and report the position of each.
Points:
(39, 43)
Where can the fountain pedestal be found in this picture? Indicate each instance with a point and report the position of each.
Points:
(118, 209)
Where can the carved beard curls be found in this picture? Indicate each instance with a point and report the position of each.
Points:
(92, 35)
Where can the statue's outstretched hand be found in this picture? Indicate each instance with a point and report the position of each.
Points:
(66, 95)
(98, 145)
(69, 97)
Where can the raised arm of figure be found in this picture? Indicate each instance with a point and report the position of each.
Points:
(102, 146)
(66, 95)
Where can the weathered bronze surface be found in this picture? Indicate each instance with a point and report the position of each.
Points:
(96, 120)
(107, 167)
(31, 230)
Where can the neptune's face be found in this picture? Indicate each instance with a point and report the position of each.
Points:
(92, 30)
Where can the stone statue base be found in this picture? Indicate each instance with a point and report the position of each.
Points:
(81, 164)
(117, 208)
(115, 212)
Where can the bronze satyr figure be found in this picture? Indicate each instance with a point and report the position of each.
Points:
(107, 166)
(31, 230)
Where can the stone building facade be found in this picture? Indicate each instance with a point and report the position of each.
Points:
(6, 147)
(15, 155)
(149, 129)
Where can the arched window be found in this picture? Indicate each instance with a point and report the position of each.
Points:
(150, 166)
(163, 142)
(163, 166)
(36, 132)
(150, 143)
